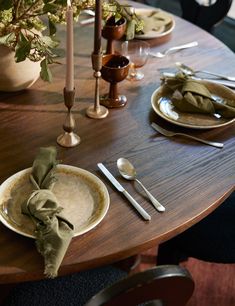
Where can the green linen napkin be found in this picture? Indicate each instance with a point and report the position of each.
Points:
(192, 96)
(53, 232)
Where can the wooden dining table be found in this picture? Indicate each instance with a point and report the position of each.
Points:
(189, 178)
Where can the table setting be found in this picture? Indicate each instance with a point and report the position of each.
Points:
(115, 171)
(30, 205)
(217, 102)
(157, 23)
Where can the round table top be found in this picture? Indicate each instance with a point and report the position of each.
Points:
(189, 178)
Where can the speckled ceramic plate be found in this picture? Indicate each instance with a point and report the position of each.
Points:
(158, 32)
(162, 105)
(83, 196)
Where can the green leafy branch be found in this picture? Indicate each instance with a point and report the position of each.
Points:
(34, 47)
(22, 26)
(134, 23)
(21, 30)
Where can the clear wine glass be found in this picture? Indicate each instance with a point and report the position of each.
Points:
(137, 52)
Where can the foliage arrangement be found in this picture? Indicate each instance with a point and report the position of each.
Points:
(134, 23)
(28, 27)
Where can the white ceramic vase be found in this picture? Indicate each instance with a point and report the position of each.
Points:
(16, 76)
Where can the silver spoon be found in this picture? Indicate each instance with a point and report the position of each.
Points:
(173, 49)
(128, 171)
(189, 71)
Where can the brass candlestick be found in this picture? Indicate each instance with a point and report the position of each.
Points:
(97, 111)
(69, 139)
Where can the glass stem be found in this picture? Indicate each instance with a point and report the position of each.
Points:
(132, 70)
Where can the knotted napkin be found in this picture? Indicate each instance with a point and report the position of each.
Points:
(189, 95)
(52, 231)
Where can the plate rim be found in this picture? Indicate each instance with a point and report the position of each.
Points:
(158, 112)
(159, 35)
(93, 177)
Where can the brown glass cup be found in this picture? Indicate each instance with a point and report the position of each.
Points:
(113, 31)
(114, 70)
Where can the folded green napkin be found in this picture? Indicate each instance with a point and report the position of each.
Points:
(53, 232)
(192, 96)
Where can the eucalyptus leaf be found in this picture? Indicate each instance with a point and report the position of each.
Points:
(22, 49)
(52, 27)
(45, 73)
(130, 30)
(117, 17)
(49, 42)
(5, 40)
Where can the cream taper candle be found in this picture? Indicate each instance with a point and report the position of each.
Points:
(69, 83)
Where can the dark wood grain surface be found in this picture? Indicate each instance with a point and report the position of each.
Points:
(190, 179)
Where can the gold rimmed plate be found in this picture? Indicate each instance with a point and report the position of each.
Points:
(83, 196)
(162, 105)
(150, 30)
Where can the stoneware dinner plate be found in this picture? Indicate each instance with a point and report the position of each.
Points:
(83, 196)
(162, 105)
(158, 31)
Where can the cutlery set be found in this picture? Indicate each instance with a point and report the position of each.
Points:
(220, 79)
(189, 71)
(216, 81)
(128, 171)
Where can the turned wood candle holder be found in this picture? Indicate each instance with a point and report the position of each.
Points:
(113, 31)
(114, 70)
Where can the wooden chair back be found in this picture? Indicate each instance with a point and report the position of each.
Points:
(168, 285)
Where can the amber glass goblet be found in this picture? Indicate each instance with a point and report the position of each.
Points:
(113, 31)
(137, 52)
(114, 70)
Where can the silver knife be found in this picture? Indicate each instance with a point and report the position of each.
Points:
(221, 82)
(119, 187)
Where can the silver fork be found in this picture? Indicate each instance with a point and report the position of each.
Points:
(172, 49)
(170, 133)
